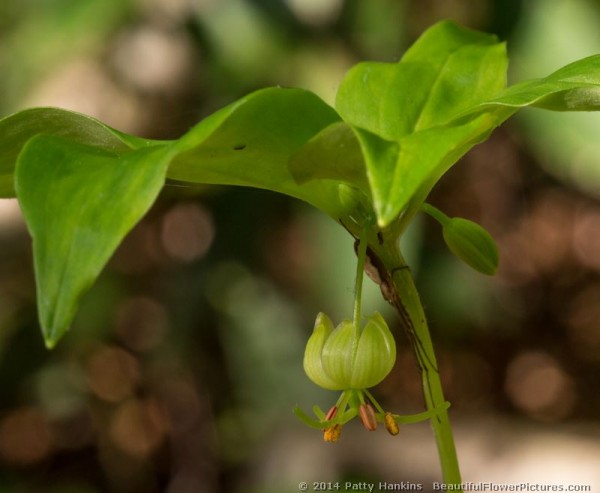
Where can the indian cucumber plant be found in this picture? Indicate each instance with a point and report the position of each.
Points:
(369, 163)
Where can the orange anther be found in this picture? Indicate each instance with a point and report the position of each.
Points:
(367, 416)
(332, 434)
(391, 424)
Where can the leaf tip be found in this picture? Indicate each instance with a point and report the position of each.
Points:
(50, 342)
(386, 215)
(52, 335)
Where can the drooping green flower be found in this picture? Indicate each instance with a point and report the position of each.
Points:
(347, 358)
(353, 359)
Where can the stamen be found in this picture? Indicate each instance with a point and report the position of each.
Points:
(331, 413)
(332, 434)
(367, 416)
(390, 424)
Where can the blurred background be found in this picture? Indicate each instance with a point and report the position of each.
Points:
(184, 364)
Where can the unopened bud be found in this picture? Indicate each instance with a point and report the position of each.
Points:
(390, 424)
(367, 416)
(471, 243)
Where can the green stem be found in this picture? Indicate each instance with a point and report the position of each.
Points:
(437, 214)
(399, 288)
(360, 269)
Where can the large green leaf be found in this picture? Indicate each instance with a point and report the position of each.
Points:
(575, 87)
(83, 185)
(447, 70)
(401, 112)
(79, 202)
(17, 129)
(414, 119)
(332, 154)
(552, 34)
(403, 173)
(250, 142)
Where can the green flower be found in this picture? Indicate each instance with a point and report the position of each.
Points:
(351, 360)
(346, 358)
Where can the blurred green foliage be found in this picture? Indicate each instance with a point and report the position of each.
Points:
(185, 362)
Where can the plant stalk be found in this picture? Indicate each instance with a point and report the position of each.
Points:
(398, 288)
(360, 270)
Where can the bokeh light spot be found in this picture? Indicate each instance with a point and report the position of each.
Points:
(138, 427)
(25, 436)
(141, 323)
(586, 238)
(187, 232)
(538, 385)
(582, 315)
(112, 373)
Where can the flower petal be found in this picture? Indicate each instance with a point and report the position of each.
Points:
(338, 353)
(313, 362)
(376, 354)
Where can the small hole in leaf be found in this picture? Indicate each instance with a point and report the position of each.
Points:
(239, 147)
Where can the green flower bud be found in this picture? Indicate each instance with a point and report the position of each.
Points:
(344, 358)
(467, 240)
(471, 243)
